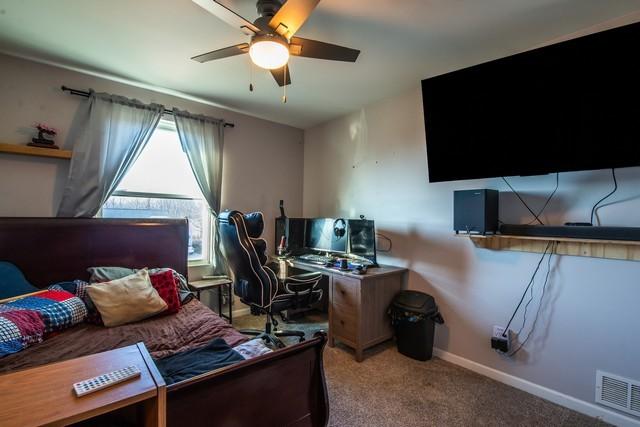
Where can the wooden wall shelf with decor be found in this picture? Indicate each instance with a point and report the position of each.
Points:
(609, 249)
(34, 151)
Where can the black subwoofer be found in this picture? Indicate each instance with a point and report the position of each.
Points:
(475, 211)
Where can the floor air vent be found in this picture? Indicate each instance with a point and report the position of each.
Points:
(618, 392)
(635, 399)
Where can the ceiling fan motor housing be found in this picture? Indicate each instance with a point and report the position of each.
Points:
(268, 8)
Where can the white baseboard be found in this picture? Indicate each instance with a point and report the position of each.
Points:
(577, 405)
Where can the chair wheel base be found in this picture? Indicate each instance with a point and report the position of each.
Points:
(270, 334)
(287, 333)
(273, 339)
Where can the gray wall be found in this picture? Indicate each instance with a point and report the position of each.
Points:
(262, 160)
(373, 162)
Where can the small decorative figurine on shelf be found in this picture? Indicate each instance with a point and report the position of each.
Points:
(41, 141)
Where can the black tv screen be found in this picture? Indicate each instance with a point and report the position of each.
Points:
(570, 106)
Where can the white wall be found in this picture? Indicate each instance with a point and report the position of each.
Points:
(262, 160)
(373, 162)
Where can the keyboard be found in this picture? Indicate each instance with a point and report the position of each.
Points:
(315, 259)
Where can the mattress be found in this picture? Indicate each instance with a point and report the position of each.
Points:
(193, 326)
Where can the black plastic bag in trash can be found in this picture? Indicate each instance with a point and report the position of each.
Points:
(414, 315)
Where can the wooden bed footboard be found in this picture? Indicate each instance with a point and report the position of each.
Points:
(283, 388)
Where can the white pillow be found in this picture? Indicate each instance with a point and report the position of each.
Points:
(129, 299)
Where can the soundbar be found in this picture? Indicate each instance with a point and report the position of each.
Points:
(576, 232)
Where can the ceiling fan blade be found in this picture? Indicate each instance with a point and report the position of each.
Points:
(279, 73)
(238, 49)
(291, 16)
(228, 16)
(321, 50)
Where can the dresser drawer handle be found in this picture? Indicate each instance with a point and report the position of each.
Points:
(342, 322)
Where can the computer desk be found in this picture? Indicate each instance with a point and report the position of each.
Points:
(358, 304)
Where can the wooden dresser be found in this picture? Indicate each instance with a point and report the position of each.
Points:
(358, 304)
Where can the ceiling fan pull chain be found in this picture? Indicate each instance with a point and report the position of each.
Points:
(250, 76)
(284, 97)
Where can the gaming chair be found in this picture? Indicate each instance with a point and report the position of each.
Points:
(254, 282)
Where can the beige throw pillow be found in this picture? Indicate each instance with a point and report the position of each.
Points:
(126, 300)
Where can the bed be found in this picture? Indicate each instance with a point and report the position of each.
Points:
(283, 388)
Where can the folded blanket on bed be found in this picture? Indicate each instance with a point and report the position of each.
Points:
(25, 321)
(187, 364)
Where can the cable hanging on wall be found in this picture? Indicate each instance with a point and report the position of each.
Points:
(597, 205)
(554, 246)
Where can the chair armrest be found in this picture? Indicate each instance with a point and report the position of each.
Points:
(305, 277)
(302, 283)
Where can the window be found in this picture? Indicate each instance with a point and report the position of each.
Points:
(160, 184)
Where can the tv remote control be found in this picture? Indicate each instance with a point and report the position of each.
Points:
(106, 380)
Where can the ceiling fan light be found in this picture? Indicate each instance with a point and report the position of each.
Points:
(269, 53)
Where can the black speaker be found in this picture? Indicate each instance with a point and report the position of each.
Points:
(293, 230)
(475, 211)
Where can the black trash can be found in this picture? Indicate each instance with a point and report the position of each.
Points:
(414, 315)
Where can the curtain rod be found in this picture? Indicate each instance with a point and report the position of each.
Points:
(86, 95)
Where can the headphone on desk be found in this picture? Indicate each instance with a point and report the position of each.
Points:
(339, 227)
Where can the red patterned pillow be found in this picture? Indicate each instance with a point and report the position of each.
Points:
(165, 284)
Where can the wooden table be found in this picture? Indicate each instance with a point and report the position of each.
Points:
(44, 395)
(207, 284)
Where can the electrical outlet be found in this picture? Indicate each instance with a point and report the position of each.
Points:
(498, 331)
(499, 341)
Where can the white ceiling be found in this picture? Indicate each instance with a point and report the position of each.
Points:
(402, 42)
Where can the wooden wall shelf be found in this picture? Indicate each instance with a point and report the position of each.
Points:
(609, 249)
(34, 151)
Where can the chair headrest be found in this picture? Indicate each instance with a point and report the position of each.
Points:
(253, 222)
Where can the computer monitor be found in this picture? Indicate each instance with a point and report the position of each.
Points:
(320, 236)
(362, 238)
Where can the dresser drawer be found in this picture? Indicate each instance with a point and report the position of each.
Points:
(344, 322)
(346, 292)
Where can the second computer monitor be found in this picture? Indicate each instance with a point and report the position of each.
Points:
(362, 238)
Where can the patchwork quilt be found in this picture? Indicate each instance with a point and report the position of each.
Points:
(29, 320)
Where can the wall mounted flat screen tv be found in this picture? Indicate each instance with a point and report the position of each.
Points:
(570, 106)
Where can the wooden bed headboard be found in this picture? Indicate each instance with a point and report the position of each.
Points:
(50, 250)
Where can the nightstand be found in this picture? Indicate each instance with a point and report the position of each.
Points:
(44, 394)
(207, 284)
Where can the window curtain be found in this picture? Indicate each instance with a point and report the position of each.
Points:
(202, 139)
(108, 134)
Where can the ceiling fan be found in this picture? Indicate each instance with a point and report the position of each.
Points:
(272, 36)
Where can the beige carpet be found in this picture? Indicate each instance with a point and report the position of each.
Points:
(389, 389)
